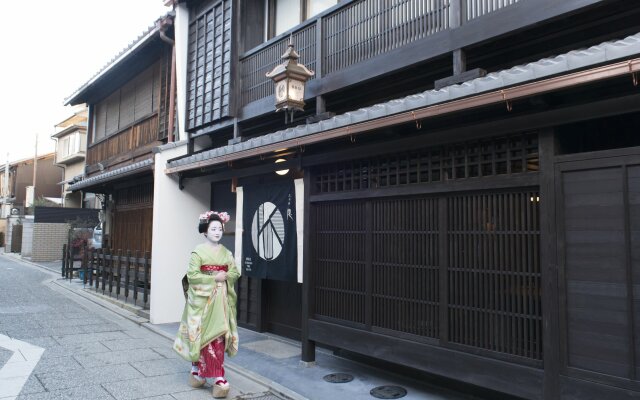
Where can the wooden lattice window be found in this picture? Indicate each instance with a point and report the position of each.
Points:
(491, 157)
(493, 241)
(340, 263)
(405, 266)
(209, 64)
(139, 196)
(396, 265)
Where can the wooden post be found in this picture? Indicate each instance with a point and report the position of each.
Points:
(118, 272)
(98, 265)
(128, 273)
(104, 268)
(308, 346)
(93, 266)
(135, 277)
(64, 258)
(83, 264)
(455, 21)
(110, 271)
(146, 264)
(548, 265)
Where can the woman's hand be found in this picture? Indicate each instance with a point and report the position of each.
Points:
(221, 276)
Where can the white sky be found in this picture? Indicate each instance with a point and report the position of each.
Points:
(50, 48)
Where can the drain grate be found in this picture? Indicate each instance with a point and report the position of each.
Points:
(388, 392)
(338, 378)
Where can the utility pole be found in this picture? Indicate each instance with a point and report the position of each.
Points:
(35, 167)
(6, 193)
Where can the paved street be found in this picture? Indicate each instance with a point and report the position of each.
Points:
(56, 345)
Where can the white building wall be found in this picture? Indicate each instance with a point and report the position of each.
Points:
(175, 234)
(181, 26)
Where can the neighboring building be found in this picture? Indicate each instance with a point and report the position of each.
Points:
(129, 115)
(19, 190)
(71, 145)
(480, 228)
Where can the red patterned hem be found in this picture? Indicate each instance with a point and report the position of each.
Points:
(211, 362)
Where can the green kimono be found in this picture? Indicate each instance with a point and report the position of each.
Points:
(210, 310)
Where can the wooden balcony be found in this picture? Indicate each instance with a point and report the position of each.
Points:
(130, 145)
(359, 40)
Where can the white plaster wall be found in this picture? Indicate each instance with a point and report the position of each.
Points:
(175, 234)
(182, 43)
(74, 169)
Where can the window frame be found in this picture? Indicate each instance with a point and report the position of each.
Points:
(270, 11)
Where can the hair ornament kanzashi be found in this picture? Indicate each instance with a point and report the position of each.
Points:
(224, 216)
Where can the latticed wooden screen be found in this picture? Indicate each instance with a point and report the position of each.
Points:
(340, 262)
(473, 258)
(494, 272)
(209, 65)
(491, 157)
(405, 266)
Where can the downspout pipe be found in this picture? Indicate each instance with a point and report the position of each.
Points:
(164, 24)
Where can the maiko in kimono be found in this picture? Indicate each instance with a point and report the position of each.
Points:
(208, 328)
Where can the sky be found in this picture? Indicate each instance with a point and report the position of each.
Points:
(51, 48)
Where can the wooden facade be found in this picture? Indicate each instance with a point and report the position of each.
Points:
(130, 113)
(495, 245)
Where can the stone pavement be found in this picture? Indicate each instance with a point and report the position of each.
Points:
(266, 367)
(55, 344)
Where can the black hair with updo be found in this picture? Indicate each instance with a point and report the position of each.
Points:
(203, 226)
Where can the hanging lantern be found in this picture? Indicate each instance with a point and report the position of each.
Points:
(290, 79)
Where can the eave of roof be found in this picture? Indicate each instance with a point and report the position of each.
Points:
(366, 118)
(113, 175)
(150, 33)
(69, 129)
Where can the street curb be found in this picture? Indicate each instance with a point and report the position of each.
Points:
(124, 312)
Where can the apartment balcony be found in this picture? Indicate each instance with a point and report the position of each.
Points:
(72, 158)
(386, 49)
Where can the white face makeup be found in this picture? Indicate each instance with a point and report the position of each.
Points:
(214, 233)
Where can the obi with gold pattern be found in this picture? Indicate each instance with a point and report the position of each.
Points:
(213, 269)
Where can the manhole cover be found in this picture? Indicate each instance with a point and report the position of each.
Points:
(388, 392)
(338, 378)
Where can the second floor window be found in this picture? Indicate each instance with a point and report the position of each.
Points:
(71, 144)
(134, 101)
(285, 14)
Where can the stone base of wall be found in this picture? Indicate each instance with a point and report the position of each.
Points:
(48, 239)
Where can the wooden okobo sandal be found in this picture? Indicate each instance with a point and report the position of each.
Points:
(221, 389)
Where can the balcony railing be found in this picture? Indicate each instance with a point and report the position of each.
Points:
(358, 31)
(137, 136)
(473, 9)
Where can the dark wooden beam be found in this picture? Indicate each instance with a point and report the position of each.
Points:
(537, 120)
(549, 265)
(308, 345)
(471, 184)
(459, 77)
